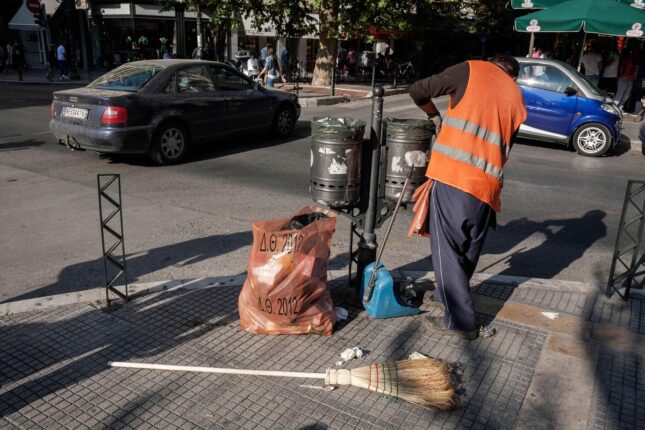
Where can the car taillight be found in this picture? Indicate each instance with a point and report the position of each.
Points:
(52, 111)
(114, 115)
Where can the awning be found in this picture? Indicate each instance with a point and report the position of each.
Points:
(23, 20)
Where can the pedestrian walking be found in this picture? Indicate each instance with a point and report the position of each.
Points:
(18, 59)
(61, 56)
(271, 69)
(9, 54)
(466, 173)
(626, 76)
(591, 64)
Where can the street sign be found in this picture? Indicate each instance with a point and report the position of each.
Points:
(33, 6)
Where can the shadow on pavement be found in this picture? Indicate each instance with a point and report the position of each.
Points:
(79, 348)
(21, 145)
(90, 274)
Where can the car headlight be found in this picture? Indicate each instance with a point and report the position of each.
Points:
(611, 108)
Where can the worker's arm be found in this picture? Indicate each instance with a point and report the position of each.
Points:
(452, 81)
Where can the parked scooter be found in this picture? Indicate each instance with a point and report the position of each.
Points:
(248, 64)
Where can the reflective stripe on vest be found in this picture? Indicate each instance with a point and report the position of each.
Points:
(479, 131)
(466, 157)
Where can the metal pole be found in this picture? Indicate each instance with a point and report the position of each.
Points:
(198, 9)
(367, 245)
(582, 49)
(531, 44)
(370, 284)
(374, 71)
(333, 73)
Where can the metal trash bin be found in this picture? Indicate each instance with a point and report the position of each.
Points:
(408, 143)
(336, 148)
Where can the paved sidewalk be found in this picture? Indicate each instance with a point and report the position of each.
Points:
(564, 357)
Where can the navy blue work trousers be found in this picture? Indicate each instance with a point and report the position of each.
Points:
(458, 225)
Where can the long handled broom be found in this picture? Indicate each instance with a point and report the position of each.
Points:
(426, 382)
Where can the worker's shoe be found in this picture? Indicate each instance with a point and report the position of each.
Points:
(436, 324)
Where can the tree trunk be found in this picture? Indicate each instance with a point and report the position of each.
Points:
(328, 47)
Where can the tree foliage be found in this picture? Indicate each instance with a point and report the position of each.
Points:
(354, 19)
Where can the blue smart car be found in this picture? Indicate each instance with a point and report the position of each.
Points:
(564, 107)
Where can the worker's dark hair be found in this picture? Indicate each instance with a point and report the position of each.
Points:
(507, 64)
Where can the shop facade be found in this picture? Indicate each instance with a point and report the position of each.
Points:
(102, 34)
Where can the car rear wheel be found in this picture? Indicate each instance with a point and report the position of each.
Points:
(283, 121)
(170, 144)
(592, 140)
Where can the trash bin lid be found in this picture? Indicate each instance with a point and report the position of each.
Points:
(338, 128)
(416, 129)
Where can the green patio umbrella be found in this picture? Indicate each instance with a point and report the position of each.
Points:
(593, 16)
(534, 4)
(545, 4)
(608, 17)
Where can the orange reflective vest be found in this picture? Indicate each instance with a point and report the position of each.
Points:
(474, 142)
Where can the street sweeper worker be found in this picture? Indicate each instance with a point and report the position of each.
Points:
(466, 175)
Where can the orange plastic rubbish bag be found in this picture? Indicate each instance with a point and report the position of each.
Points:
(285, 291)
(419, 225)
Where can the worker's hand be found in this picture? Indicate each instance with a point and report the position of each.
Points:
(436, 121)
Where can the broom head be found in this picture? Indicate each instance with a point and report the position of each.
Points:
(426, 382)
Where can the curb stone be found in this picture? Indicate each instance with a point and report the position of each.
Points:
(97, 295)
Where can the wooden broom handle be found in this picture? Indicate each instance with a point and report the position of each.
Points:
(216, 370)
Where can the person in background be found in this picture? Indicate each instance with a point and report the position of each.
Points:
(537, 53)
(61, 56)
(9, 55)
(466, 169)
(626, 75)
(271, 69)
(285, 61)
(2, 58)
(609, 76)
(264, 53)
(351, 61)
(52, 63)
(591, 64)
(18, 59)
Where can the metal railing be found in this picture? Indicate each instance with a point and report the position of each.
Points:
(628, 261)
(113, 264)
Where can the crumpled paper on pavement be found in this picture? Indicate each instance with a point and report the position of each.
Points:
(417, 356)
(349, 354)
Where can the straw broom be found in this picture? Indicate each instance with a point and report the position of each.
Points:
(426, 382)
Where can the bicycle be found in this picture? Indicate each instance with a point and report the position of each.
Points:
(405, 73)
(297, 73)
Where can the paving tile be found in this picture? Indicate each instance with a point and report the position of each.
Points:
(60, 362)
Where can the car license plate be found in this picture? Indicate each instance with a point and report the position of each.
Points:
(72, 112)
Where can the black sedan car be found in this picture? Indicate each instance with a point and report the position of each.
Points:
(161, 107)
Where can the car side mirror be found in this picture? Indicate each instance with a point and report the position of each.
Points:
(570, 91)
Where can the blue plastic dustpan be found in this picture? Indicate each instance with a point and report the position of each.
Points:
(384, 301)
